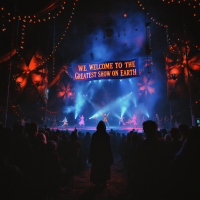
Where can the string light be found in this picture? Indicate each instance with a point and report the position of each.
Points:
(158, 23)
(35, 16)
(189, 4)
(54, 50)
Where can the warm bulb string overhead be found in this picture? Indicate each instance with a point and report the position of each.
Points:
(152, 18)
(166, 26)
(193, 4)
(7, 17)
(57, 43)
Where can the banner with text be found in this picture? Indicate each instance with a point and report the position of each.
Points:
(105, 70)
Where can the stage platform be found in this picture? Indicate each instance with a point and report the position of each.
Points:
(91, 129)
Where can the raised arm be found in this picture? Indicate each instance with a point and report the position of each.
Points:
(108, 114)
(102, 113)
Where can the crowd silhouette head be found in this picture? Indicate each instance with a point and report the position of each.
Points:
(101, 126)
(150, 128)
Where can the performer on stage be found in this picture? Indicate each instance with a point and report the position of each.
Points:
(81, 121)
(23, 122)
(54, 122)
(105, 118)
(143, 119)
(95, 120)
(65, 122)
(129, 121)
(121, 120)
(134, 118)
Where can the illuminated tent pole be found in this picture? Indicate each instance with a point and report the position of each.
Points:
(6, 116)
(46, 93)
(170, 103)
(188, 73)
(189, 86)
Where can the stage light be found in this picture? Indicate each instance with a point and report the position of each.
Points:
(117, 116)
(109, 80)
(69, 109)
(123, 110)
(121, 102)
(135, 102)
(79, 102)
(99, 81)
(120, 80)
(90, 81)
(97, 115)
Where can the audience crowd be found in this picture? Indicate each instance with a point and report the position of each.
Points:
(38, 163)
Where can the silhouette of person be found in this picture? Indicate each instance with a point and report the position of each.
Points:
(149, 164)
(100, 156)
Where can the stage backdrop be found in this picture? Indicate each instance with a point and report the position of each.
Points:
(105, 70)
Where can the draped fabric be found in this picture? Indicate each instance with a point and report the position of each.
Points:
(55, 80)
(50, 6)
(6, 57)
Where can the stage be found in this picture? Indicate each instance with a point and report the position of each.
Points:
(91, 129)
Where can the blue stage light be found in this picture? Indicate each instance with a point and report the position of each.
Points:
(120, 80)
(79, 102)
(117, 116)
(135, 102)
(69, 109)
(99, 81)
(123, 110)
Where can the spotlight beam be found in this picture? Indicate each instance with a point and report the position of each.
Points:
(111, 106)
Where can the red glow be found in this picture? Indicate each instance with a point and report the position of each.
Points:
(146, 85)
(174, 71)
(36, 78)
(65, 91)
(19, 80)
(22, 80)
(125, 15)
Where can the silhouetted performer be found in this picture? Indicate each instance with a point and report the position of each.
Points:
(100, 156)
